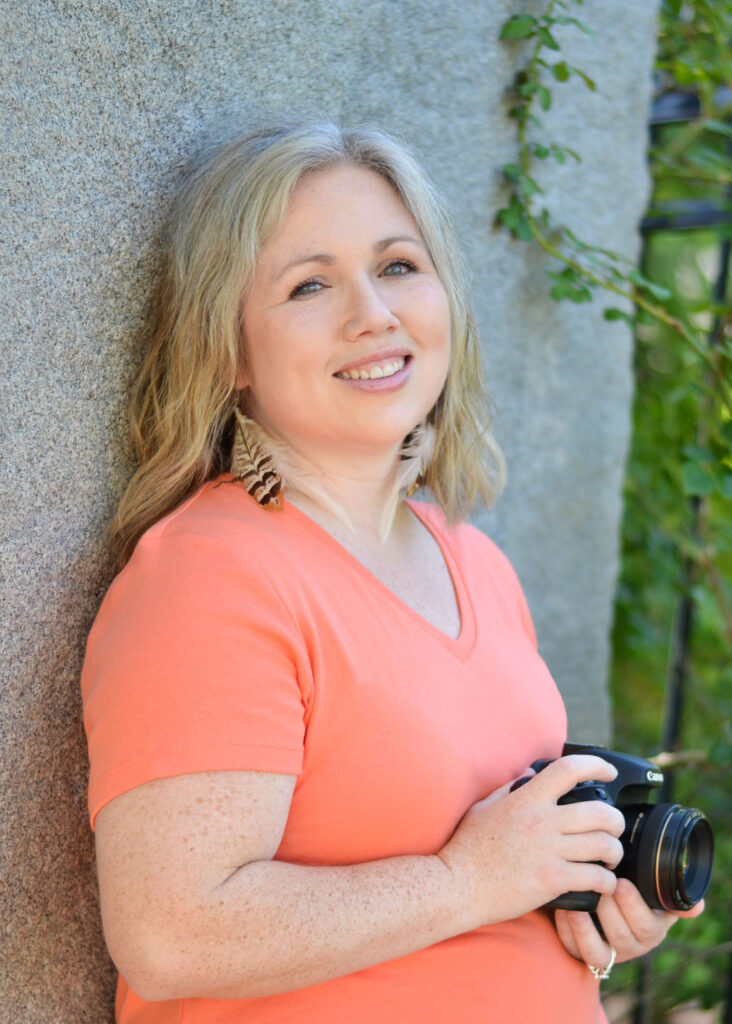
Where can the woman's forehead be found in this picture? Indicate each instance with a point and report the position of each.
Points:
(331, 204)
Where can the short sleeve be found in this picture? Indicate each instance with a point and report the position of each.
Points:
(193, 664)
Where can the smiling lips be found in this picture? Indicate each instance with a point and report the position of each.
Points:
(375, 372)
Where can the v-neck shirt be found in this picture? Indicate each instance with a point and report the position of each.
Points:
(238, 638)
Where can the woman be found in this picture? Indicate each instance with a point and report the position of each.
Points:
(306, 697)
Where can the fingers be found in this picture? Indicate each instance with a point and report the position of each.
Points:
(503, 791)
(695, 910)
(580, 937)
(630, 924)
(591, 816)
(563, 774)
(588, 877)
(627, 921)
(589, 846)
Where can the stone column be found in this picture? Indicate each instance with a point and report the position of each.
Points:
(101, 102)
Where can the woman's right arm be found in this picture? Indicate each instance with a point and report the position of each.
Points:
(194, 905)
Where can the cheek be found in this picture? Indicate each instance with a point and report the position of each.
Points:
(431, 310)
(434, 315)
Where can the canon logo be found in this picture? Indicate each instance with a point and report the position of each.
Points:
(654, 776)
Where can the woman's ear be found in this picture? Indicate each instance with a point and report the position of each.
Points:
(242, 379)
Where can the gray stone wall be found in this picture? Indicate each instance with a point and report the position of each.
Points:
(100, 102)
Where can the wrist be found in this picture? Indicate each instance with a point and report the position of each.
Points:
(461, 899)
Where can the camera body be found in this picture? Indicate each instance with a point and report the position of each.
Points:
(668, 850)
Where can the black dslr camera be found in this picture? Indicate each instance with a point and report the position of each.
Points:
(668, 850)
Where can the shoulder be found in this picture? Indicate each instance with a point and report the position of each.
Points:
(222, 523)
(217, 547)
(221, 510)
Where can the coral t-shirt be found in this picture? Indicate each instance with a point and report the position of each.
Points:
(244, 639)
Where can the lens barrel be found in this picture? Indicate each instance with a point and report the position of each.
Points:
(669, 854)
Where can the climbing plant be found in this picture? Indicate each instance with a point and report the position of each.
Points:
(677, 531)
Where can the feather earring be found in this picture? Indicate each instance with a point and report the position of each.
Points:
(415, 455)
(254, 466)
(267, 468)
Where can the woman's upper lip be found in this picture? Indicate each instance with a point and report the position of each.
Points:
(383, 355)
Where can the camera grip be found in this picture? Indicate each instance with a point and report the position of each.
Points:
(575, 901)
(587, 900)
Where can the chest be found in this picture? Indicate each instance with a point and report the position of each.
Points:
(405, 728)
(413, 568)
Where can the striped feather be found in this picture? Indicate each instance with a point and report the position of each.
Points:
(414, 457)
(253, 465)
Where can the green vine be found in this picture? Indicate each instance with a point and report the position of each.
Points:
(677, 530)
(696, 55)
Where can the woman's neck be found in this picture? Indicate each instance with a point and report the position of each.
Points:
(362, 492)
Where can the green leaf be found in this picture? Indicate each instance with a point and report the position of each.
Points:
(558, 153)
(674, 6)
(528, 186)
(545, 97)
(564, 20)
(695, 453)
(726, 432)
(644, 317)
(696, 480)
(560, 71)
(528, 89)
(719, 127)
(577, 295)
(656, 290)
(514, 218)
(565, 274)
(574, 154)
(570, 285)
(589, 82)
(547, 38)
(612, 313)
(513, 171)
(720, 753)
(540, 152)
(520, 26)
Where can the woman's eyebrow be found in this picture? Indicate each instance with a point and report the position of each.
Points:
(327, 260)
(319, 257)
(386, 242)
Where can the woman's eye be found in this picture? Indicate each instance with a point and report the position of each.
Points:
(308, 287)
(397, 268)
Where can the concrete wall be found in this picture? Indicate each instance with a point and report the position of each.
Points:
(100, 102)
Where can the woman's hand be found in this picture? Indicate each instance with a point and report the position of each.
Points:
(628, 922)
(515, 851)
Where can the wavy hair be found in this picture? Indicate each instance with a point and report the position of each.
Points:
(183, 401)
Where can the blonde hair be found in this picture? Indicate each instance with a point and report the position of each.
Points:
(183, 400)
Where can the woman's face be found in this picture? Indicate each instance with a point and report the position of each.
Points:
(346, 325)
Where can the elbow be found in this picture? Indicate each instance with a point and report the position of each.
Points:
(160, 966)
(149, 962)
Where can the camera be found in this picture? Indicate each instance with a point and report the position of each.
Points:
(668, 850)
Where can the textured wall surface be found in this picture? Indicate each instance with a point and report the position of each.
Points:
(100, 102)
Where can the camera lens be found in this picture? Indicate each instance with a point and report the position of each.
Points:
(669, 852)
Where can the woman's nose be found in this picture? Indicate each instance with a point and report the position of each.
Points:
(368, 312)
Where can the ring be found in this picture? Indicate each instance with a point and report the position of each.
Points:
(603, 973)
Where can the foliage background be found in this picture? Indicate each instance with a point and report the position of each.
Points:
(677, 534)
(673, 622)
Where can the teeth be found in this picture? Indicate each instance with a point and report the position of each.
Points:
(385, 370)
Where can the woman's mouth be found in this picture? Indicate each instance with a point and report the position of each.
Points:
(377, 371)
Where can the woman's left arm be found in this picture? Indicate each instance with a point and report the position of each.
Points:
(628, 922)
